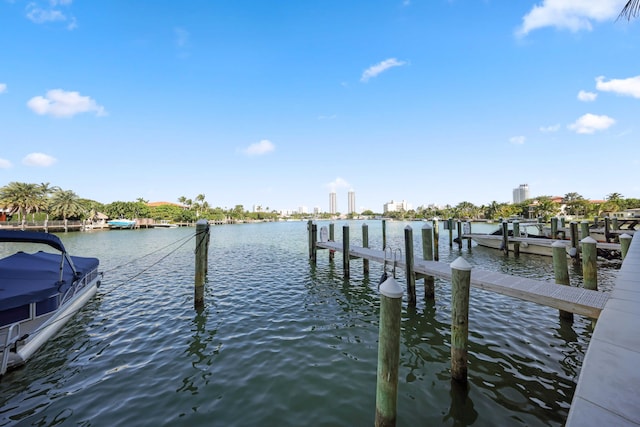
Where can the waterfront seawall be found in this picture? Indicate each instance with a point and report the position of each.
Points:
(606, 393)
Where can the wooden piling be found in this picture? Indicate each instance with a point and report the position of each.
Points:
(436, 240)
(554, 227)
(427, 255)
(314, 242)
(625, 242)
(310, 238)
(589, 263)
(573, 235)
(332, 238)
(345, 250)
(561, 271)
(410, 273)
(460, 285)
(584, 230)
(450, 228)
(505, 237)
(202, 231)
(388, 353)
(365, 244)
(384, 234)
(459, 232)
(607, 228)
(469, 232)
(516, 233)
(614, 223)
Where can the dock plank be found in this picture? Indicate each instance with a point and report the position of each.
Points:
(575, 300)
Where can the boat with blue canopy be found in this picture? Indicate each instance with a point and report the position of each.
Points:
(39, 293)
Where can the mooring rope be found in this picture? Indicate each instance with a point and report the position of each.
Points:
(144, 270)
(184, 241)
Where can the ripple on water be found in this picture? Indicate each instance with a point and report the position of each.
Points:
(282, 343)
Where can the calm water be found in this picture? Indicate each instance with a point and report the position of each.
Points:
(283, 343)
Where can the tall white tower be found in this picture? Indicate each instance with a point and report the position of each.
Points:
(352, 201)
(333, 208)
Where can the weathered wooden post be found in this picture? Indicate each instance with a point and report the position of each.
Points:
(388, 353)
(516, 233)
(460, 284)
(625, 242)
(589, 265)
(411, 275)
(562, 222)
(310, 231)
(450, 228)
(607, 228)
(332, 238)
(584, 229)
(554, 227)
(573, 234)
(384, 234)
(614, 223)
(365, 244)
(459, 232)
(345, 250)
(561, 271)
(436, 240)
(427, 255)
(314, 243)
(202, 230)
(505, 237)
(469, 232)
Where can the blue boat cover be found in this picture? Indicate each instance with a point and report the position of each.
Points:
(27, 278)
(32, 237)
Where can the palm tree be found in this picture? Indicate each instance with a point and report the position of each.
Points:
(631, 10)
(66, 204)
(22, 198)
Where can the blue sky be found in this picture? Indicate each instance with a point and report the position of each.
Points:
(277, 103)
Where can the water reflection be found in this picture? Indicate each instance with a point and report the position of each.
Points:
(461, 412)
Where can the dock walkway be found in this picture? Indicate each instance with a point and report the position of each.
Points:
(607, 390)
(575, 300)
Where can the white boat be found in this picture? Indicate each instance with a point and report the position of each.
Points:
(164, 224)
(532, 240)
(39, 293)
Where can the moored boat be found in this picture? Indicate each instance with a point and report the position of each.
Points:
(39, 293)
(122, 223)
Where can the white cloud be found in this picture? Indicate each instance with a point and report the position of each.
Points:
(518, 140)
(585, 96)
(380, 67)
(338, 183)
(182, 36)
(60, 103)
(573, 15)
(259, 148)
(5, 164)
(590, 123)
(552, 128)
(3, 87)
(629, 86)
(41, 15)
(38, 159)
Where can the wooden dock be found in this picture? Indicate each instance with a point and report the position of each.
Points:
(575, 300)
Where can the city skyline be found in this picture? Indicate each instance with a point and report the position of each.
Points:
(430, 102)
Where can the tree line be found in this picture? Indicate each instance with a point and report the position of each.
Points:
(572, 204)
(43, 201)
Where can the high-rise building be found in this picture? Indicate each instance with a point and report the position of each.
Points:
(352, 202)
(521, 193)
(393, 206)
(333, 207)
